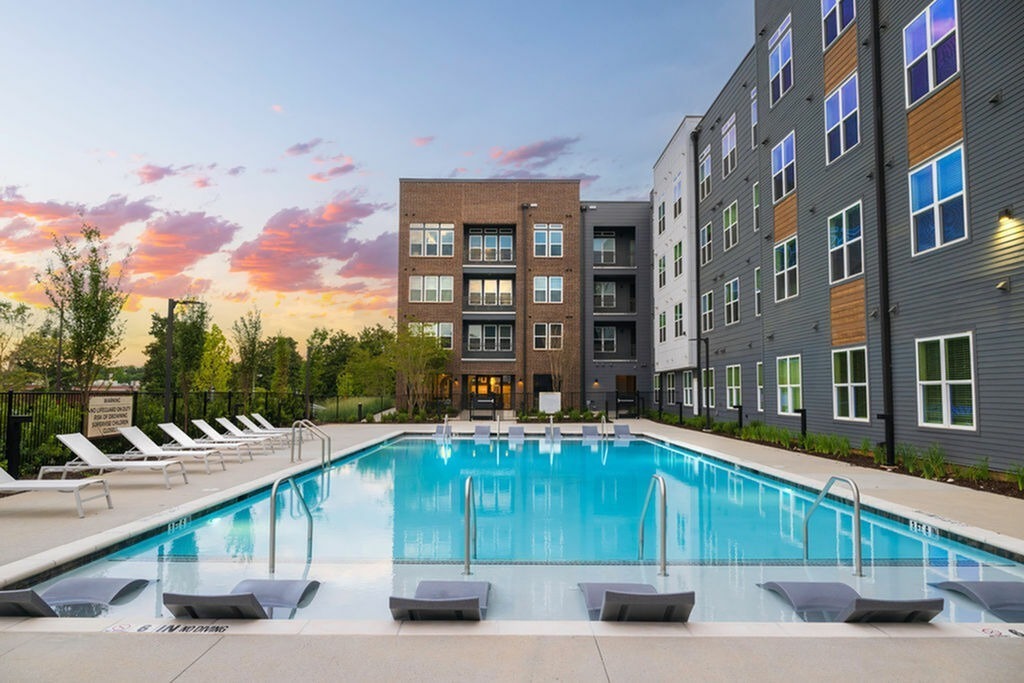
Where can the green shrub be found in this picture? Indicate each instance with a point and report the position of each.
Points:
(878, 454)
(978, 471)
(865, 446)
(1018, 475)
(906, 455)
(933, 463)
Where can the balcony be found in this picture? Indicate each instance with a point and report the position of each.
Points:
(615, 296)
(488, 341)
(489, 295)
(489, 248)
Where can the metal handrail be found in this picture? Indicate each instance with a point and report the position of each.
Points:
(660, 481)
(273, 522)
(325, 441)
(470, 526)
(858, 569)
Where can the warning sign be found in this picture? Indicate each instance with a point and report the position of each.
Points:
(107, 413)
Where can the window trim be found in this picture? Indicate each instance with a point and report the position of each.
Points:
(795, 267)
(603, 339)
(706, 242)
(662, 278)
(604, 295)
(708, 375)
(753, 118)
(730, 157)
(677, 319)
(733, 390)
(732, 307)
(755, 201)
(548, 229)
(837, 93)
(782, 169)
(782, 34)
(929, 52)
(687, 384)
(662, 327)
(670, 387)
(547, 336)
(850, 385)
(707, 311)
(704, 174)
(732, 211)
(677, 259)
(842, 29)
(945, 383)
(442, 229)
(547, 289)
(759, 378)
(845, 246)
(932, 163)
(757, 291)
(440, 289)
(789, 385)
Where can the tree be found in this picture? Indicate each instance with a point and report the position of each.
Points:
(333, 356)
(248, 332)
(366, 374)
(215, 367)
(83, 287)
(419, 360)
(189, 342)
(14, 320)
(285, 368)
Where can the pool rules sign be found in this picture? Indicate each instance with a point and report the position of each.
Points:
(107, 413)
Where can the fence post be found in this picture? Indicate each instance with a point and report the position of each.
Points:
(135, 408)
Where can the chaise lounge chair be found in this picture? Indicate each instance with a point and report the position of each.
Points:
(516, 434)
(88, 457)
(9, 484)
(443, 600)
(635, 602)
(442, 432)
(234, 432)
(590, 433)
(186, 442)
(72, 597)
(266, 424)
(250, 441)
(282, 433)
(482, 434)
(552, 433)
(1005, 599)
(148, 448)
(622, 433)
(833, 601)
(250, 599)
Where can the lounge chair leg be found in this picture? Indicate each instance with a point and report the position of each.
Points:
(78, 503)
(106, 492)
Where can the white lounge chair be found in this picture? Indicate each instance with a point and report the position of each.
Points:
(266, 424)
(88, 457)
(148, 448)
(233, 430)
(442, 432)
(188, 443)
(250, 441)
(9, 484)
(254, 428)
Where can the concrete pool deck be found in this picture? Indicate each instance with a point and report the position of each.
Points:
(41, 530)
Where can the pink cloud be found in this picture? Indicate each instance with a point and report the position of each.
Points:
(337, 158)
(176, 241)
(202, 181)
(534, 155)
(237, 297)
(151, 173)
(19, 282)
(300, 148)
(287, 254)
(330, 174)
(168, 287)
(278, 108)
(373, 259)
(456, 172)
(423, 141)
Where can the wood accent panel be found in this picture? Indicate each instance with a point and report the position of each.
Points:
(936, 123)
(841, 59)
(849, 324)
(785, 218)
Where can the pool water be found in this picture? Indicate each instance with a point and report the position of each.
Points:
(547, 515)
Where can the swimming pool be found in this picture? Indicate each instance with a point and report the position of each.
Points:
(548, 515)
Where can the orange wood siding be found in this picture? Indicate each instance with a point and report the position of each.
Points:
(785, 218)
(849, 325)
(841, 59)
(936, 123)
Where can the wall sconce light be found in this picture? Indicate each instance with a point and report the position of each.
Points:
(874, 313)
(519, 383)
(456, 382)
(526, 205)
(1006, 213)
(596, 384)
(815, 326)
(770, 336)
(1004, 285)
(996, 97)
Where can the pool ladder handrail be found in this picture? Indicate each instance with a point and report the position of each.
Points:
(470, 526)
(858, 569)
(273, 522)
(325, 441)
(663, 513)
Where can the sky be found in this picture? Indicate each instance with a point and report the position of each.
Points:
(248, 153)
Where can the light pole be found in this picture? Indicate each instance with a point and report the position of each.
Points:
(171, 303)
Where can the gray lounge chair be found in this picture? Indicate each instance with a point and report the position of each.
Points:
(482, 433)
(88, 457)
(443, 600)
(9, 484)
(250, 599)
(443, 432)
(147, 448)
(516, 433)
(552, 433)
(72, 597)
(833, 601)
(1005, 599)
(622, 433)
(590, 433)
(635, 602)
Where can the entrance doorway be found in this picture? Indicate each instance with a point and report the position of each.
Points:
(486, 388)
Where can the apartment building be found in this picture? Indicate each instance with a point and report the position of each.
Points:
(857, 255)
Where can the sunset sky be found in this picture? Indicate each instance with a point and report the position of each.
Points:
(249, 152)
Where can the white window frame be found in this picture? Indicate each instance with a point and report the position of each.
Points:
(945, 383)
(436, 237)
(931, 167)
(757, 292)
(545, 289)
(605, 298)
(709, 387)
(602, 341)
(733, 386)
(850, 250)
(677, 194)
(783, 158)
(661, 218)
(780, 61)
(929, 51)
(443, 332)
(670, 387)
(662, 327)
(792, 390)
(851, 386)
(731, 292)
(707, 249)
(832, 12)
(677, 258)
(840, 99)
(489, 292)
(704, 174)
(550, 335)
(755, 200)
(707, 311)
(759, 370)
(545, 244)
(439, 284)
(605, 259)
(661, 271)
(729, 157)
(753, 118)
(786, 270)
(730, 226)
(687, 383)
(677, 312)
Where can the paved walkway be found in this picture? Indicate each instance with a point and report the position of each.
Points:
(41, 530)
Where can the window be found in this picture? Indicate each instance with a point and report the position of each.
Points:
(670, 387)
(661, 271)
(707, 311)
(929, 49)
(836, 15)
(662, 325)
(729, 146)
(755, 196)
(785, 270)
(845, 252)
(474, 337)
(547, 336)
(850, 384)
(937, 202)
(945, 382)
(784, 167)
(732, 301)
(677, 258)
(790, 399)
(657, 387)
(704, 173)
(687, 387)
(604, 294)
(757, 291)
(753, 118)
(490, 245)
(442, 331)
(842, 129)
(661, 218)
(709, 387)
(678, 313)
(547, 240)
(430, 289)
(733, 387)
(604, 339)
(431, 239)
(760, 386)
(489, 338)
(604, 249)
(677, 194)
(706, 249)
(489, 292)
(780, 61)
(730, 226)
(547, 289)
